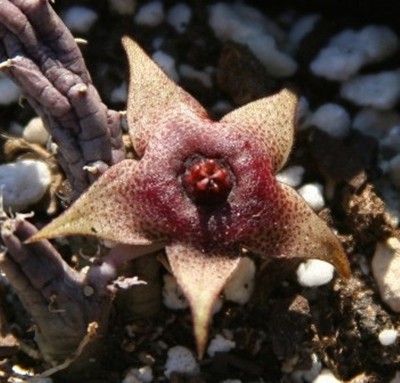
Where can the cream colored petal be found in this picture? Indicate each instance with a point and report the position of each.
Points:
(107, 210)
(201, 276)
(271, 120)
(152, 97)
(296, 231)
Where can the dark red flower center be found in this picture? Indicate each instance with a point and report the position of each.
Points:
(207, 181)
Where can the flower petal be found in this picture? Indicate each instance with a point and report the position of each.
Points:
(152, 96)
(108, 209)
(298, 233)
(201, 276)
(271, 120)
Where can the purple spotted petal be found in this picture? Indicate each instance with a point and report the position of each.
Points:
(271, 122)
(297, 232)
(152, 96)
(108, 209)
(201, 276)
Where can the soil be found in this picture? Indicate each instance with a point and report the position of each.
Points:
(284, 324)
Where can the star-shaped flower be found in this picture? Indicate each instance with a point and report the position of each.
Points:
(206, 189)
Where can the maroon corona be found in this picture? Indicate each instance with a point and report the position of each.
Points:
(207, 181)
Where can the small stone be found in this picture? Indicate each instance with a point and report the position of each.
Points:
(180, 359)
(326, 376)
(313, 195)
(123, 7)
(386, 271)
(190, 72)
(350, 50)
(139, 375)
(396, 378)
(23, 183)
(388, 337)
(310, 375)
(35, 132)
(9, 345)
(173, 297)
(220, 344)
(179, 17)
(120, 93)
(380, 90)
(150, 14)
(292, 176)
(246, 25)
(301, 28)
(375, 122)
(392, 140)
(332, 119)
(240, 285)
(10, 92)
(314, 272)
(80, 19)
(167, 64)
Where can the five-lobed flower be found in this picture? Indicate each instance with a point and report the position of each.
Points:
(206, 189)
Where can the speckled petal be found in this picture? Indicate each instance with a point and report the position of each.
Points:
(201, 276)
(107, 210)
(152, 96)
(299, 233)
(271, 120)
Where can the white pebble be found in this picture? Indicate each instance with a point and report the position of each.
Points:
(392, 139)
(222, 107)
(79, 19)
(313, 195)
(35, 132)
(179, 17)
(332, 119)
(388, 337)
(220, 344)
(173, 297)
(381, 90)
(292, 176)
(150, 14)
(308, 376)
(139, 375)
(23, 183)
(394, 171)
(15, 129)
(10, 92)
(123, 7)
(303, 113)
(240, 285)
(379, 42)
(375, 122)
(386, 270)
(167, 64)
(190, 72)
(246, 25)
(396, 378)
(301, 28)
(180, 359)
(314, 272)
(120, 93)
(326, 376)
(350, 50)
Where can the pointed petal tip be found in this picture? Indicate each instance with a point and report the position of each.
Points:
(201, 323)
(201, 276)
(341, 263)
